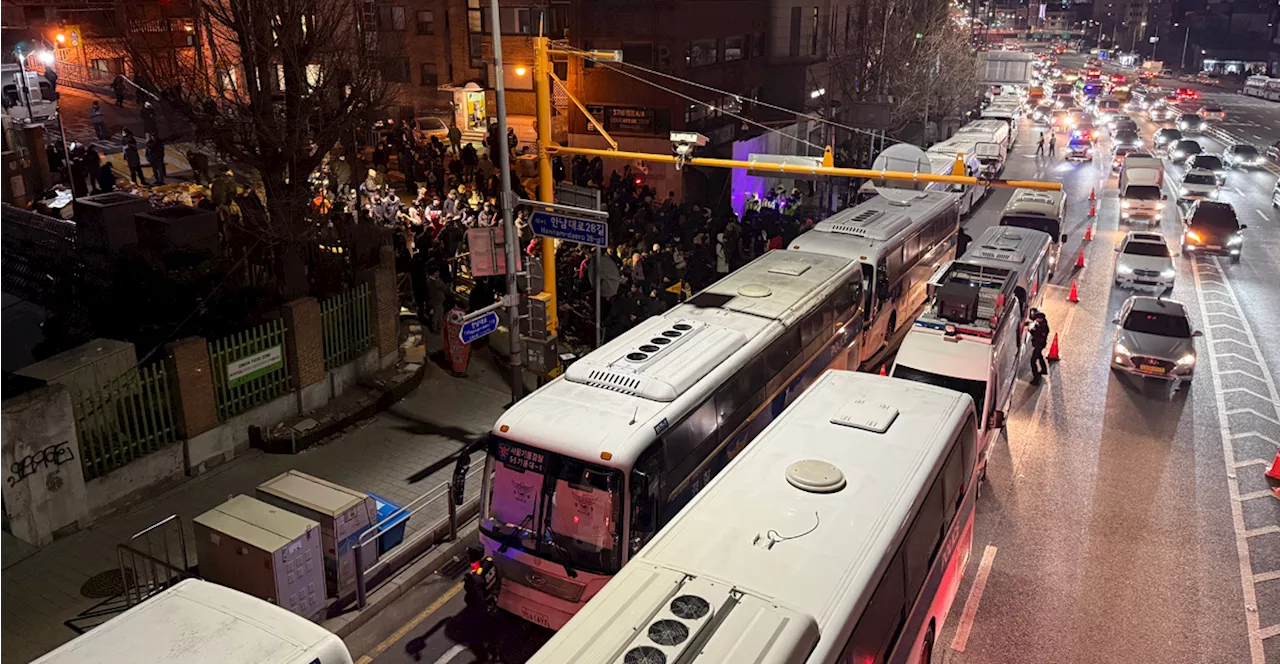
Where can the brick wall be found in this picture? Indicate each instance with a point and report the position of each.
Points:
(385, 303)
(304, 334)
(192, 386)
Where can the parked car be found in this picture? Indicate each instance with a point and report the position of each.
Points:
(1275, 195)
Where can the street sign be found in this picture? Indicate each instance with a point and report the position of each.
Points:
(479, 327)
(594, 232)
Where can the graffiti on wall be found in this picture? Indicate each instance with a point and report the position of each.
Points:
(51, 457)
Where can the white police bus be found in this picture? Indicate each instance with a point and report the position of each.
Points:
(840, 535)
(584, 471)
(899, 246)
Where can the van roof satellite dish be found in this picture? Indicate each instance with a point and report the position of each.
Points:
(901, 157)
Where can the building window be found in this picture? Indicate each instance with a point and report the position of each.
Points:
(793, 41)
(430, 75)
(396, 70)
(475, 23)
(477, 51)
(734, 48)
(558, 17)
(813, 38)
(701, 52)
(391, 18)
(426, 23)
(637, 53)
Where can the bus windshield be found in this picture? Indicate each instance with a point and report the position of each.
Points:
(1043, 224)
(976, 389)
(555, 507)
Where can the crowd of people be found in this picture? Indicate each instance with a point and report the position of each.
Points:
(662, 249)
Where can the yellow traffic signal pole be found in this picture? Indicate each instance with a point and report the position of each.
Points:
(543, 76)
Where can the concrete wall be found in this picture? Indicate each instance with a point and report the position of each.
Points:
(222, 443)
(87, 366)
(139, 479)
(43, 489)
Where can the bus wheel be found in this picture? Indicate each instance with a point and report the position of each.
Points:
(926, 652)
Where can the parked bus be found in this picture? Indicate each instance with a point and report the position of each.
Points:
(992, 140)
(938, 165)
(584, 471)
(945, 153)
(1043, 211)
(197, 622)
(898, 247)
(1262, 87)
(840, 535)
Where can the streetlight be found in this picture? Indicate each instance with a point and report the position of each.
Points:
(1185, 37)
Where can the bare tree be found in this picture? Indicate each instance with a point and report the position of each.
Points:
(271, 85)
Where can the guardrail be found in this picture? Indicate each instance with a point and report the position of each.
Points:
(422, 540)
(1227, 138)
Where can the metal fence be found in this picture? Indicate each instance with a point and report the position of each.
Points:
(249, 368)
(347, 327)
(124, 419)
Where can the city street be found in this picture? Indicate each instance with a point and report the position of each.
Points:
(1123, 521)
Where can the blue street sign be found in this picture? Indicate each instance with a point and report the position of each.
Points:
(574, 229)
(478, 327)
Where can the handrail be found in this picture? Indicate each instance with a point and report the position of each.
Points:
(373, 532)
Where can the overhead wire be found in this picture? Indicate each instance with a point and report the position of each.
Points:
(808, 116)
(711, 106)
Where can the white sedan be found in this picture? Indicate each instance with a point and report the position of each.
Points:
(1143, 260)
(1199, 184)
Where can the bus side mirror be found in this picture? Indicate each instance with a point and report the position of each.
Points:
(1064, 237)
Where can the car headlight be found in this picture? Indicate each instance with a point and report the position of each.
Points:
(1124, 204)
(1185, 191)
(1168, 273)
(1124, 269)
(1121, 350)
(1188, 360)
(1192, 236)
(1213, 193)
(1160, 205)
(1234, 240)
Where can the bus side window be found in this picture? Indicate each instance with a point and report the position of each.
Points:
(646, 495)
(882, 621)
(923, 539)
(690, 441)
(953, 478)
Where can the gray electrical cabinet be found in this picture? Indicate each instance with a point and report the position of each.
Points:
(343, 515)
(265, 551)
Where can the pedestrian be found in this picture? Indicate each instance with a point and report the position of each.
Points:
(455, 138)
(117, 86)
(436, 292)
(51, 75)
(133, 161)
(155, 157)
(199, 165)
(93, 168)
(149, 123)
(1053, 144)
(962, 242)
(106, 178)
(99, 121)
(1039, 340)
(512, 141)
(1040, 146)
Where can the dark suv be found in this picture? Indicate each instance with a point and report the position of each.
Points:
(1211, 227)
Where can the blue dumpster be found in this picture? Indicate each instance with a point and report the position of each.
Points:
(392, 531)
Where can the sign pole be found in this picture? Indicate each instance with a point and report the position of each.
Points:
(511, 239)
(599, 332)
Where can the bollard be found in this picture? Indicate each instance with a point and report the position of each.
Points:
(360, 589)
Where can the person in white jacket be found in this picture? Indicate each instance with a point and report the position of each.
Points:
(722, 263)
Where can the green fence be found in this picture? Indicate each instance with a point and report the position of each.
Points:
(347, 329)
(249, 368)
(125, 419)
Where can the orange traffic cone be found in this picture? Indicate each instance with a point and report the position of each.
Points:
(1274, 471)
(1080, 259)
(1093, 191)
(1093, 208)
(1053, 349)
(883, 371)
(1088, 233)
(1074, 295)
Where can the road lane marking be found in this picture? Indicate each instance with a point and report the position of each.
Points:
(1256, 632)
(975, 597)
(1266, 576)
(449, 654)
(1252, 495)
(411, 625)
(1261, 214)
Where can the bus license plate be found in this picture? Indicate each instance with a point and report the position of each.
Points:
(1150, 368)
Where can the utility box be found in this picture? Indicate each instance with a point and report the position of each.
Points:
(178, 228)
(541, 356)
(343, 515)
(86, 366)
(533, 315)
(106, 221)
(265, 551)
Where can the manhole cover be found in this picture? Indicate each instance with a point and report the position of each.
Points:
(106, 584)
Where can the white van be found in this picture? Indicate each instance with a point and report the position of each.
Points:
(969, 339)
(1142, 194)
(39, 95)
(1043, 211)
(197, 622)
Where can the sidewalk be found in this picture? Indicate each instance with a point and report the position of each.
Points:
(396, 454)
